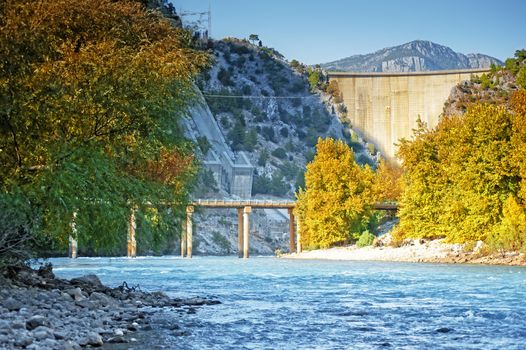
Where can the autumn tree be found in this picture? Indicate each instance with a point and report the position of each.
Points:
(335, 206)
(464, 180)
(90, 93)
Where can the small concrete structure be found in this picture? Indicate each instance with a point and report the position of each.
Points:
(72, 250)
(132, 243)
(232, 171)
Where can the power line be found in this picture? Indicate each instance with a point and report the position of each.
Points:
(260, 96)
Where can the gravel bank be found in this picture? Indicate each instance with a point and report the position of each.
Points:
(434, 251)
(39, 311)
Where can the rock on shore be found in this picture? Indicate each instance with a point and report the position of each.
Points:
(39, 311)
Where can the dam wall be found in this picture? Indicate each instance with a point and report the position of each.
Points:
(385, 107)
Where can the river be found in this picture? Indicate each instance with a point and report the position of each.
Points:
(271, 303)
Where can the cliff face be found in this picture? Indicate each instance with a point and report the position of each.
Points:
(414, 56)
(265, 109)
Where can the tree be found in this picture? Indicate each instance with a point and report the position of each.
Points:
(253, 38)
(91, 92)
(335, 206)
(463, 178)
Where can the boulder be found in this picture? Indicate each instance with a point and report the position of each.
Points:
(93, 339)
(12, 304)
(42, 332)
(76, 293)
(36, 321)
(89, 280)
(100, 299)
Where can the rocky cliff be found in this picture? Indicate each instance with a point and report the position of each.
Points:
(414, 56)
(266, 110)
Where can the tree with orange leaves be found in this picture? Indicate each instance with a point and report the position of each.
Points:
(90, 96)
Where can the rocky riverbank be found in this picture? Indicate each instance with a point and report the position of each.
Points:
(40, 311)
(434, 251)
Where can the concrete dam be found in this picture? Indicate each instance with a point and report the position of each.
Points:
(385, 107)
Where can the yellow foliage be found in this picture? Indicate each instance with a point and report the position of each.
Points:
(338, 196)
(464, 180)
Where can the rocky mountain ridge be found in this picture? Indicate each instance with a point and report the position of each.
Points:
(415, 56)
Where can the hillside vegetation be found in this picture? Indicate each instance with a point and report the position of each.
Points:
(273, 110)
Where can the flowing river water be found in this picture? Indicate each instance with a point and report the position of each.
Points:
(271, 303)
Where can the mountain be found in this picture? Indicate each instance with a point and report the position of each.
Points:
(414, 56)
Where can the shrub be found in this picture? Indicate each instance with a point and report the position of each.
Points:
(279, 153)
(204, 144)
(221, 241)
(366, 239)
(224, 77)
(268, 133)
(263, 157)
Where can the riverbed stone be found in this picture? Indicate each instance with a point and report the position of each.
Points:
(71, 345)
(92, 338)
(12, 304)
(99, 299)
(76, 293)
(36, 321)
(23, 340)
(42, 332)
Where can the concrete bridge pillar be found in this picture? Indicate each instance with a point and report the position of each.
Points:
(246, 227)
(132, 244)
(72, 251)
(291, 230)
(183, 238)
(239, 232)
(189, 212)
(298, 236)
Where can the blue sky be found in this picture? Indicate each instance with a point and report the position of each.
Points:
(326, 30)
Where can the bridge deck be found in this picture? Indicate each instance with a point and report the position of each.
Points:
(254, 203)
(263, 203)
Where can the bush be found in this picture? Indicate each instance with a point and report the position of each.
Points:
(279, 153)
(263, 157)
(221, 241)
(268, 133)
(366, 239)
(224, 77)
(204, 144)
(15, 230)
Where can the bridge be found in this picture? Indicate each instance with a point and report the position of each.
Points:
(385, 107)
(244, 209)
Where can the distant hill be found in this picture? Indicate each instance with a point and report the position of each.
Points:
(414, 56)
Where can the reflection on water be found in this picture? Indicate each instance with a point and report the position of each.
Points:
(270, 303)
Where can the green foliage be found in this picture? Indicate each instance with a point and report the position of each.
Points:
(263, 157)
(268, 133)
(366, 239)
(221, 241)
(335, 203)
(279, 153)
(225, 77)
(88, 119)
(314, 79)
(521, 77)
(204, 144)
(274, 186)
